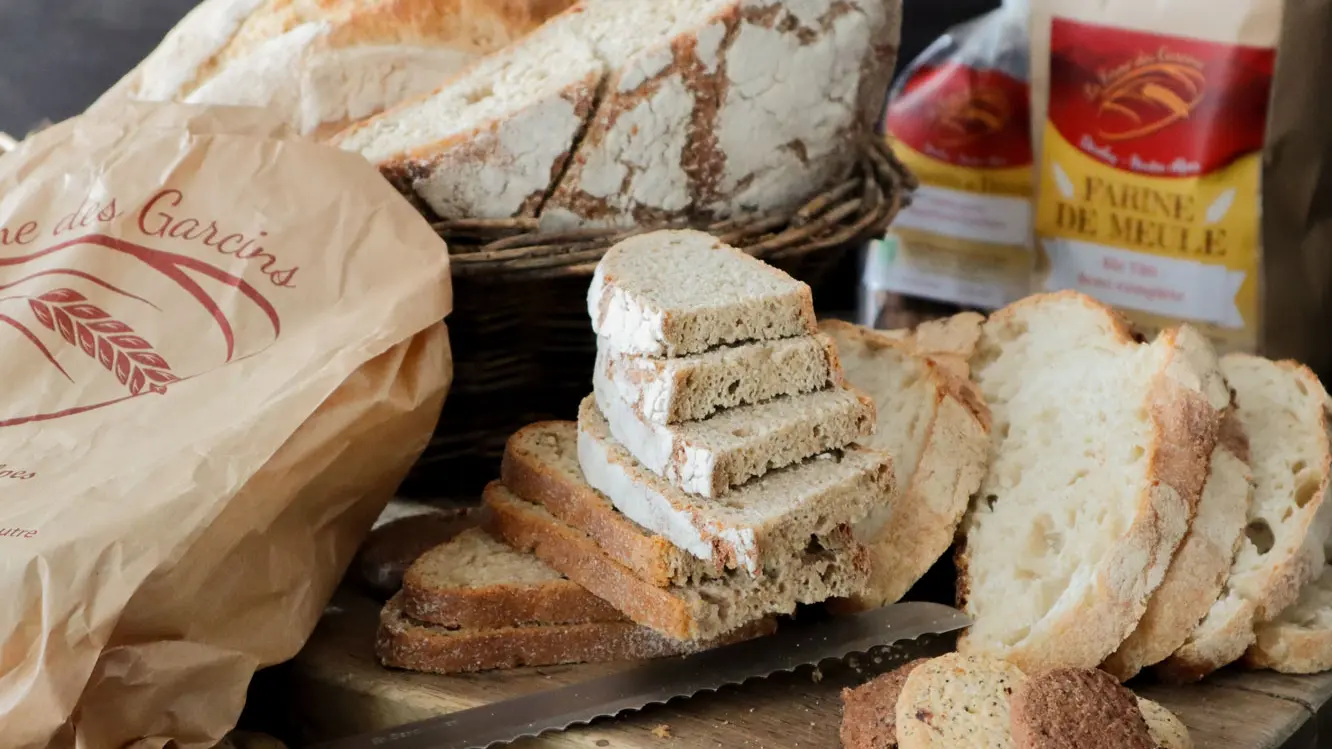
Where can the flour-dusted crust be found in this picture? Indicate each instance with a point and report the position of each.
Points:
(407, 644)
(1076, 708)
(958, 701)
(869, 712)
(909, 534)
(1185, 400)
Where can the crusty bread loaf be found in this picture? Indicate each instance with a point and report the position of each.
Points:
(1165, 728)
(1284, 411)
(710, 457)
(688, 388)
(957, 701)
(1077, 708)
(703, 107)
(324, 65)
(935, 425)
(1201, 565)
(674, 293)
(869, 712)
(757, 523)
(474, 581)
(701, 610)
(404, 643)
(1100, 446)
(541, 465)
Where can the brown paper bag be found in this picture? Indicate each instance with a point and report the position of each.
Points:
(220, 351)
(1184, 151)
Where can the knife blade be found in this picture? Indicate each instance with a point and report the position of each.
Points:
(659, 681)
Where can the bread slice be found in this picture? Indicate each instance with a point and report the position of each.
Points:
(475, 581)
(1299, 641)
(869, 712)
(392, 547)
(754, 526)
(701, 610)
(1100, 446)
(1077, 708)
(710, 457)
(957, 701)
(1285, 412)
(936, 426)
(670, 391)
(1165, 728)
(404, 643)
(540, 465)
(1202, 563)
(674, 293)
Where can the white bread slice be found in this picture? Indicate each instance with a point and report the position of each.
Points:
(674, 293)
(1167, 730)
(711, 456)
(1100, 446)
(1299, 641)
(1202, 563)
(1285, 412)
(670, 391)
(936, 426)
(767, 517)
(957, 701)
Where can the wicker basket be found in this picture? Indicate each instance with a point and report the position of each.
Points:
(523, 346)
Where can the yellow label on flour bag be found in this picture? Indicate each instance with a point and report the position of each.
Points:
(1149, 176)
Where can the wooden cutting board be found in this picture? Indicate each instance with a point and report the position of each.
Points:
(336, 688)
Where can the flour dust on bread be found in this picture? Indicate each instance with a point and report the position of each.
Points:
(935, 425)
(325, 65)
(1099, 449)
(695, 110)
(1284, 411)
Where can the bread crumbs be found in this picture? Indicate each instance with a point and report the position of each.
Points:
(662, 731)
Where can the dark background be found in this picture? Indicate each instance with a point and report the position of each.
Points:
(57, 56)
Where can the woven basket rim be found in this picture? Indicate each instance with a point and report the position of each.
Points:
(863, 203)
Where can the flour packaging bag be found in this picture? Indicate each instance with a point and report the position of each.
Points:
(1183, 162)
(957, 117)
(221, 348)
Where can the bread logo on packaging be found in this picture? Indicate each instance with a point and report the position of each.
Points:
(1147, 94)
(85, 331)
(964, 117)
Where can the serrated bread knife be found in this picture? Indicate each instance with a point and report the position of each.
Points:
(658, 681)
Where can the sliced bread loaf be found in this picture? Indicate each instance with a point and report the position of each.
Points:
(1202, 563)
(710, 457)
(1099, 449)
(751, 527)
(1299, 641)
(475, 581)
(1284, 410)
(404, 643)
(935, 425)
(674, 293)
(1165, 728)
(701, 610)
(957, 701)
(541, 466)
(669, 391)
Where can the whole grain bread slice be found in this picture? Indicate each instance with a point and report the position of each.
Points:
(674, 293)
(701, 610)
(1202, 563)
(710, 457)
(540, 465)
(404, 643)
(688, 388)
(869, 712)
(753, 527)
(392, 546)
(1284, 410)
(958, 701)
(935, 425)
(1100, 446)
(475, 581)
(1077, 708)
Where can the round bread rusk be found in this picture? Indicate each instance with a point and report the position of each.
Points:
(957, 702)
(1077, 708)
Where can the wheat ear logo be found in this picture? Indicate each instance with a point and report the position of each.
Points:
(964, 117)
(48, 313)
(1147, 95)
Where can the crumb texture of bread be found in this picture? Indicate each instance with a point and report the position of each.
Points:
(763, 520)
(869, 712)
(689, 388)
(1077, 708)
(1099, 450)
(1166, 729)
(693, 611)
(674, 293)
(1283, 410)
(958, 701)
(935, 425)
